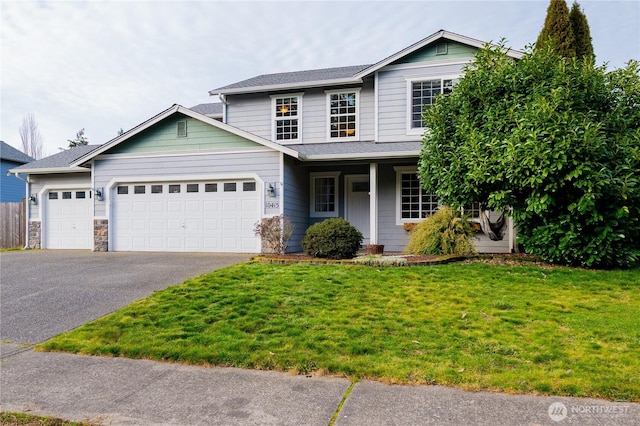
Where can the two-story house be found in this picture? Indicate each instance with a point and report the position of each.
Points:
(336, 142)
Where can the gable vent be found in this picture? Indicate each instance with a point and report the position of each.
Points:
(441, 49)
(182, 129)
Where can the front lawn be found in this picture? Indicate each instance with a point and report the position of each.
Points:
(522, 328)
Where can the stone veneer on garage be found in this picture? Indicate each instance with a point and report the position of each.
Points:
(100, 235)
(35, 235)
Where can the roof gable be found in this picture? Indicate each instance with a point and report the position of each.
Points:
(181, 111)
(433, 38)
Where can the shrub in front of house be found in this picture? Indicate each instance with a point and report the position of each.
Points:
(332, 238)
(444, 232)
(275, 233)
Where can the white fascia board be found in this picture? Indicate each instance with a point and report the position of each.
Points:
(46, 171)
(287, 86)
(360, 156)
(190, 113)
(424, 42)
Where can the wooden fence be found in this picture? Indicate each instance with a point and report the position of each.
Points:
(13, 224)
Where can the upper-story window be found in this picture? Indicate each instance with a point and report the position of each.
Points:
(343, 114)
(422, 94)
(286, 110)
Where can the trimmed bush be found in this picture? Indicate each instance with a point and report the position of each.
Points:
(445, 232)
(332, 238)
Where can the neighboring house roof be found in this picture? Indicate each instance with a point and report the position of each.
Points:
(57, 163)
(211, 109)
(292, 80)
(341, 75)
(189, 113)
(357, 150)
(9, 153)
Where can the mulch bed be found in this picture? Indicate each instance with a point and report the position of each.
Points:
(508, 259)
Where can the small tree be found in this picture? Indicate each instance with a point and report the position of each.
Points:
(79, 140)
(32, 144)
(581, 32)
(557, 31)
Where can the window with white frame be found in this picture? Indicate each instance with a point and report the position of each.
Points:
(324, 194)
(413, 202)
(422, 94)
(286, 117)
(343, 114)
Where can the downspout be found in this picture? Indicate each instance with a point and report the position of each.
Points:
(223, 99)
(28, 212)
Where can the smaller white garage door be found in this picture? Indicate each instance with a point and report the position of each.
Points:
(217, 216)
(68, 220)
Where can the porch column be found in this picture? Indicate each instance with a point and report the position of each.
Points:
(373, 203)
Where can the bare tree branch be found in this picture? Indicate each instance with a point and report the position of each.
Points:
(32, 143)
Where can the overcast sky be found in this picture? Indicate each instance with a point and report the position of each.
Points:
(109, 65)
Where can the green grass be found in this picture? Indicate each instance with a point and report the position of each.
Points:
(521, 329)
(21, 419)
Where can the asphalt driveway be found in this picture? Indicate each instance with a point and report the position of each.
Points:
(44, 293)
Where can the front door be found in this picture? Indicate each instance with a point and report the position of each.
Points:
(357, 203)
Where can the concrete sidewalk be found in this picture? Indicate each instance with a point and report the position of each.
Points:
(119, 391)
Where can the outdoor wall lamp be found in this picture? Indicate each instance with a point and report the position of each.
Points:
(33, 199)
(98, 192)
(271, 191)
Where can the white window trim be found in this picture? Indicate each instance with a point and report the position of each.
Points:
(409, 99)
(312, 192)
(274, 118)
(400, 170)
(328, 112)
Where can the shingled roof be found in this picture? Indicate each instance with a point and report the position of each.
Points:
(9, 153)
(61, 160)
(294, 79)
(211, 109)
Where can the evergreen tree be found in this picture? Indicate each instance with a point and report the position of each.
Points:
(581, 32)
(80, 139)
(557, 30)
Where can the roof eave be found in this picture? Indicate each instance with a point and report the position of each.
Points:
(286, 86)
(361, 156)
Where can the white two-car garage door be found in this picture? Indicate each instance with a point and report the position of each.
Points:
(68, 220)
(216, 216)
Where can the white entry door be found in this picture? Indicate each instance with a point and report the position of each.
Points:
(68, 222)
(217, 216)
(357, 203)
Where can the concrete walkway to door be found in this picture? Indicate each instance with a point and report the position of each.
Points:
(47, 292)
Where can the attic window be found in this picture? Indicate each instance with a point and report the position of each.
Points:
(441, 49)
(182, 129)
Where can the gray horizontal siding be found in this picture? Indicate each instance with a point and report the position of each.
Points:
(251, 113)
(392, 99)
(296, 201)
(265, 164)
